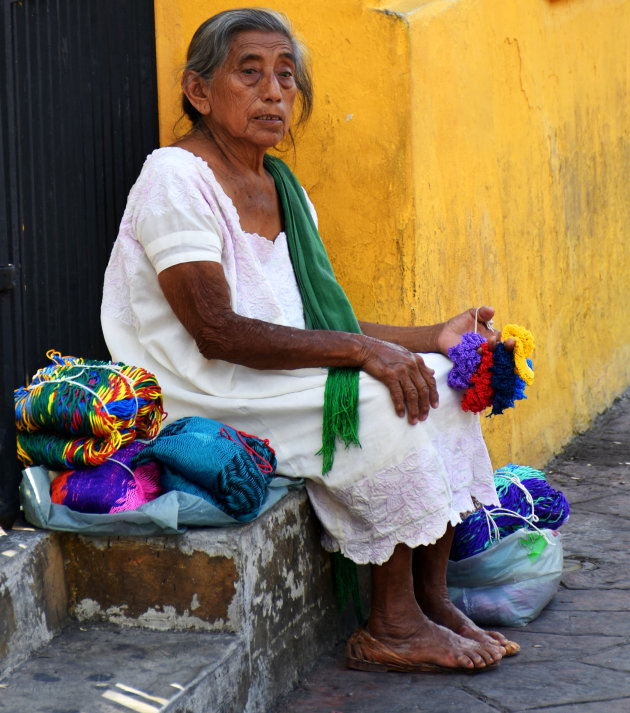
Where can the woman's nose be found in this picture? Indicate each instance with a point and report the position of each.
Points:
(270, 88)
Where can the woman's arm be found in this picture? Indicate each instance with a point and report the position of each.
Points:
(199, 295)
(438, 338)
(417, 339)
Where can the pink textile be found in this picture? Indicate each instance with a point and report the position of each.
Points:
(111, 487)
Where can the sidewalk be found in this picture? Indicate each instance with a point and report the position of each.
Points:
(575, 658)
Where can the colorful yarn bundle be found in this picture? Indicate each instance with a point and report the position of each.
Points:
(527, 500)
(110, 487)
(206, 458)
(507, 384)
(78, 412)
(466, 359)
(523, 348)
(496, 379)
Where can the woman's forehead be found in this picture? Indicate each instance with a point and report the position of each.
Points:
(253, 43)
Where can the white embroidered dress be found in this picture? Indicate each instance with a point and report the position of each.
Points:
(405, 483)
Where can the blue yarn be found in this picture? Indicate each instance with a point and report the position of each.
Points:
(550, 507)
(503, 380)
(215, 458)
(507, 385)
(126, 408)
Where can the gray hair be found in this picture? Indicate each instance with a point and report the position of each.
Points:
(211, 42)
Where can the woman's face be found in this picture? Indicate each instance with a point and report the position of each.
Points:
(251, 96)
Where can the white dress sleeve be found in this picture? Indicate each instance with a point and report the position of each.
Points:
(172, 219)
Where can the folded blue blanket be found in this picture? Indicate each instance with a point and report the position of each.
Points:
(228, 468)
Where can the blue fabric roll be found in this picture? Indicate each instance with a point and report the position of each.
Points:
(204, 457)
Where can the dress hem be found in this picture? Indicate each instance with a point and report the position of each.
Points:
(380, 551)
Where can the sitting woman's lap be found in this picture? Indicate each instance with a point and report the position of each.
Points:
(404, 484)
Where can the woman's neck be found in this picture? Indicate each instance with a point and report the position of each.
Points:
(223, 154)
(243, 178)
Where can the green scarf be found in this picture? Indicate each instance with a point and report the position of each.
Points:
(325, 307)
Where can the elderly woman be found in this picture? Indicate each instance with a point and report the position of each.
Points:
(218, 283)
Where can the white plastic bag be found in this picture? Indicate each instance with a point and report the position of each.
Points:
(511, 582)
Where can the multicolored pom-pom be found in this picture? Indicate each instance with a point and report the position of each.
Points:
(479, 394)
(466, 359)
(496, 379)
(523, 348)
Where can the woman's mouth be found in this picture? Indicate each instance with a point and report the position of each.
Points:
(268, 117)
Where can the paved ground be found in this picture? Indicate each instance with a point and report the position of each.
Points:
(575, 658)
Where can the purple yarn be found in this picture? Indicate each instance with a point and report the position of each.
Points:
(550, 507)
(109, 487)
(466, 359)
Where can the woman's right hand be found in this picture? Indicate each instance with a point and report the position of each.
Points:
(410, 381)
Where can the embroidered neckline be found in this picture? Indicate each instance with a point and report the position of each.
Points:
(220, 191)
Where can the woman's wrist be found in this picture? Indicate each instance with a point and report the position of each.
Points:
(421, 339)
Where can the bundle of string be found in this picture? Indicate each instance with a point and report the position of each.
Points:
(496, 379)
(527, 500)
(229, 468)
(78, 412)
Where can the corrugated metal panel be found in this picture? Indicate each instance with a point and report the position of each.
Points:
(85, 106)
(11, 352)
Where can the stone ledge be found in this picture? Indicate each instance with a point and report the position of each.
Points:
(267, 582)
(33, 595)
(106, 669)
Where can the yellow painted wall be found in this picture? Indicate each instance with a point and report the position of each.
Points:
(465, 152)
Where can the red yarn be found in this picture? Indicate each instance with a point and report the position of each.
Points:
(479, 395)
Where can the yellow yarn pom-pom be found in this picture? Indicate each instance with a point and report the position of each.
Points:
(523, 348)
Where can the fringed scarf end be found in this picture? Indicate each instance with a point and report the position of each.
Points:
(341, 413)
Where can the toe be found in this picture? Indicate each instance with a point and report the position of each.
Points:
(464, 661)
(467, 662)
(486, 657)
(511, 648)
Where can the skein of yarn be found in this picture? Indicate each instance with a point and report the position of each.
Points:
(78, 412)
(497, 378)
(526, 499)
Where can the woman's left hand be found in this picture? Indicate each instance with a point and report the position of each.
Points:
(452, 330)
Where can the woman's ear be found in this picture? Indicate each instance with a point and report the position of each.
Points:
(196, 90)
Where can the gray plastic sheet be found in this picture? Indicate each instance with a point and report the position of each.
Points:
(170, 513)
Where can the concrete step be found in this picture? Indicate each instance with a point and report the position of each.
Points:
(240, 612)
(33, 597)
(109, 669)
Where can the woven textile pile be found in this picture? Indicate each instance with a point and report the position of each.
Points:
(77, 412)
(98, 424)
(527, 500)
(115, 486)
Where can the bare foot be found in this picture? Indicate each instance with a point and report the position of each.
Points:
(431, 593)
(443, 612)
(424, 641)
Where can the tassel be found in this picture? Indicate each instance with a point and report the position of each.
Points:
(341, 413)
(346, 578)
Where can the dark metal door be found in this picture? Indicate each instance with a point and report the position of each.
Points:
(78, 115)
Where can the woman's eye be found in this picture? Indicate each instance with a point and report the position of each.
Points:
(249, 71)
(286, 74)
